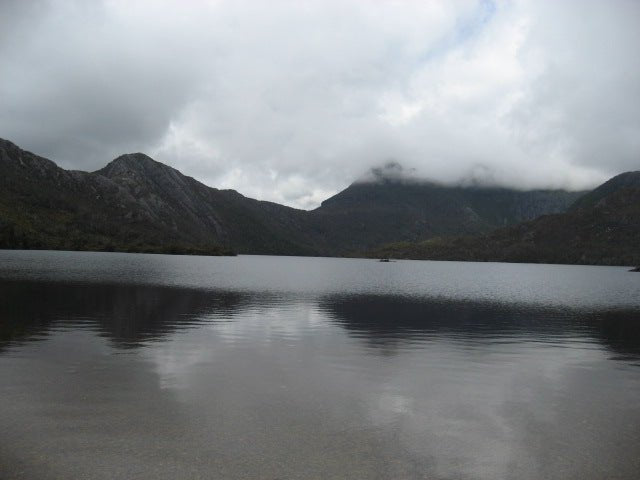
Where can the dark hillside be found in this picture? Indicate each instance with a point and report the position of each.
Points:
(138, 204)
(369, 214)
(604, 229)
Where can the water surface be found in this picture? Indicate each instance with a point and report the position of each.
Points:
(152, 366)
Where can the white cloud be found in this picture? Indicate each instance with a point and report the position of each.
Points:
(291, 101)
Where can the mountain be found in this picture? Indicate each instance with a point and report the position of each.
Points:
(602, 227)
(138, 204)
(375, 212)
(202, 213)
(133, 204)
(599, 194)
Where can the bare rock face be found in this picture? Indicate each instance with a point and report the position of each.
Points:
(164, 195)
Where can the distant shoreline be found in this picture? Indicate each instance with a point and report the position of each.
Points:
(367, 256)
(221, 252)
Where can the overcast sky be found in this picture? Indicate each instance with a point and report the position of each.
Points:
(291, 101)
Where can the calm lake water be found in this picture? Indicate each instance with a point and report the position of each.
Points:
(168, 367)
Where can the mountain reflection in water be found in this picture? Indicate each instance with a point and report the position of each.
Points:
(107, 378)
(130, 315)
(385, 321)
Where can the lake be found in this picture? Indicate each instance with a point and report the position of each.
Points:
(254, 367)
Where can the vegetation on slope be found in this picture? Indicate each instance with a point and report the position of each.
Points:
(136, 204)
(605, 231)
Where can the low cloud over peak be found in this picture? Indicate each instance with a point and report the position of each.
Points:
(391, 171)
(291, 101)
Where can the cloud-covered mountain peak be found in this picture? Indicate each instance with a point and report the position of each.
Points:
(390, 172)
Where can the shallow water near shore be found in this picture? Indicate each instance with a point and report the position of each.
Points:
(152, 366)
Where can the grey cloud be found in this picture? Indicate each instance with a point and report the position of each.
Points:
(391, 170)
(84, 87)
(583, 101)
(292, 101)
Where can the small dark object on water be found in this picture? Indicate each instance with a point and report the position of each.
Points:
(637, 269)
(384, 260)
